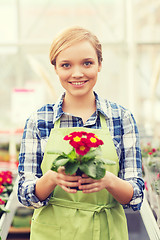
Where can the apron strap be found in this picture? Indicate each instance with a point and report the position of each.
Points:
(96, 209)
(57, 123)
(82, 205)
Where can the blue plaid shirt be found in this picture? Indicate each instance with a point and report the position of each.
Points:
(123, 130)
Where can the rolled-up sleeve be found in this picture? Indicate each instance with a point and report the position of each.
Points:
(131, 161)
(30, 159)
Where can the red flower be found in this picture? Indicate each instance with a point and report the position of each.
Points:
(8, 180)
(9, 173)
(76, 138)
(2, 178)
(150, 153)
(1, 189)
(5, 177)
(93, 140)
(82, 150)
(83, 141)
(76, 141)
(74, 134)
(68, 137)
(145, 184)
(154, 150)
(2, 202)
(158, 176)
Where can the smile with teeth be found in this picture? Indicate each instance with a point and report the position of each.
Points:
(78, 83)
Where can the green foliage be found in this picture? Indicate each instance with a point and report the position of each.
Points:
(92, 164)
(71, 168)
(89, 169)
(61, 162)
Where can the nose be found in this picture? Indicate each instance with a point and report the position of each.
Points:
(77, 72)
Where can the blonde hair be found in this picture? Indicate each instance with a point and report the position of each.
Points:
(70, 36)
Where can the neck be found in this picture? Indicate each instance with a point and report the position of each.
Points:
(80, 106)
(79, 101)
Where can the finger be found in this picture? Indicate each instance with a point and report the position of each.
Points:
(70, 178)
(90, 186)
(84, 175)
(86, 180)
(69, 190)
(61, 170)
(68, 183)
(74, 174)
(91, 190)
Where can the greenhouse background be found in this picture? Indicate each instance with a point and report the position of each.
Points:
(130, 35)
(129, 31)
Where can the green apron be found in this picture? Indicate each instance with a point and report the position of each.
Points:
(77, 216)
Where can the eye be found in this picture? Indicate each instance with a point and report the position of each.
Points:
(66, 65)
(87, 63)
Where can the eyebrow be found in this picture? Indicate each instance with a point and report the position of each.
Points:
(87, 59)
(64, 61)
(68, 60)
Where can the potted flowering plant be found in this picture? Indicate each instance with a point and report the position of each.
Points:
(85, 156)
(156, 184)
(6, 188)
(150, 151)
(151, 164)
(151, 157)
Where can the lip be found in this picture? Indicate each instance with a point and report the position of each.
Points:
(78, 83)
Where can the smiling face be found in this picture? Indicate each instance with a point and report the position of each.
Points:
(77, 67)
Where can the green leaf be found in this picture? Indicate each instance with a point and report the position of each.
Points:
(57, 159)
(100, 171)
(72, 155)
(56, 153)
(3, 209)
(95, 170)
(89, 169)
(71, 168)
(108, 162)
(61, 157)
(93, 153)
(61, 162)
(54, 168)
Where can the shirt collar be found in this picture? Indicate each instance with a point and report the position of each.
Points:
(57, 108)
(101, 106)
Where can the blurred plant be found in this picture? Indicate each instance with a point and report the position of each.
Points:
(149, 151)
(156, 184)
(151, 157)
(6, 187)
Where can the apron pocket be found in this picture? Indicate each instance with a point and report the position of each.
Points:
(42, 231)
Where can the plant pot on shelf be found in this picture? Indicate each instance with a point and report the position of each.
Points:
(152, 171)
(149, 177)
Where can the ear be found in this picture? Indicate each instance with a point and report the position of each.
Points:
(99, 67)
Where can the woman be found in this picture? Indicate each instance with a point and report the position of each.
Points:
(95, 212)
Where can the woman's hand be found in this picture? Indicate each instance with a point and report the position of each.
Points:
(51, 179)
(67, 182)
(120, 189)
(89, 185)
